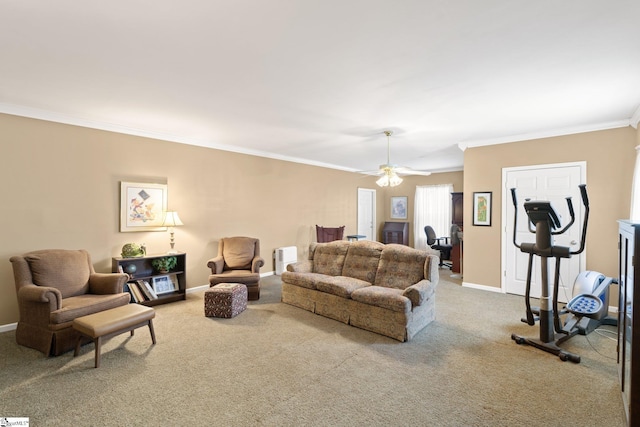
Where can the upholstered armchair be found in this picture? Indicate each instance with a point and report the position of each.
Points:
(238, 261)
(55, 286)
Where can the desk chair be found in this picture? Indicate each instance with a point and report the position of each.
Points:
(440, 244)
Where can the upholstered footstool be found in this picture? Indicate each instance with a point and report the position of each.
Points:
(225, 300)
(106, 324)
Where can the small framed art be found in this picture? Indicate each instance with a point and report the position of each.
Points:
(482, 208)
(399, 207)
(142, 206)
(162, 285)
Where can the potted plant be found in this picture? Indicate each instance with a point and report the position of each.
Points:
(133, 250)
(164, 264)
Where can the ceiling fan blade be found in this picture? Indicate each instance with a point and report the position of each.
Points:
(421, 173)
(402, 170)
(372, 172)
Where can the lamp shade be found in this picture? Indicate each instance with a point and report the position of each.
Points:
(171, 219)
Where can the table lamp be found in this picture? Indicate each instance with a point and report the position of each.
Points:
(171, 219)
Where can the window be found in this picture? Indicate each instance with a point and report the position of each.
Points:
(432, 207)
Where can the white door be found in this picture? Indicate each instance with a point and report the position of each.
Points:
(546, 182)
(366, 213)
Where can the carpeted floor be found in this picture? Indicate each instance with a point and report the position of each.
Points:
(277, 365)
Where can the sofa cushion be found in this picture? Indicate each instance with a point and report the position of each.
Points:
(389, 298)
(304, 280)
(340, 285)
(328, 258)
(65, 270)
(400, 266)
(362, 260)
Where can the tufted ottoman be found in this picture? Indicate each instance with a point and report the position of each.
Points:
(225, 300)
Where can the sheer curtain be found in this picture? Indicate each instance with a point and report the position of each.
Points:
(432, 207)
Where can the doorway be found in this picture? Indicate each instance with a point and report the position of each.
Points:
(553, 182)
(367, 213)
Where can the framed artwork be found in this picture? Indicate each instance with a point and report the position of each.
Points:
(162, 285)
(482, 208)
(142, 206)
(399, 207)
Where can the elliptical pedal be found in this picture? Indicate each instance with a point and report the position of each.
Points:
(585, 305)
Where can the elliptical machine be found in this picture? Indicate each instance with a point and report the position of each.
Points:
(587, 309)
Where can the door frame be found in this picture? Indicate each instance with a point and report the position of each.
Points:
(507, 237)
(373, 212)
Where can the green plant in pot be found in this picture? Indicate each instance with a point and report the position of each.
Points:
(164, 264)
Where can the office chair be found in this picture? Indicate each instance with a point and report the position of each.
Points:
(440, 244)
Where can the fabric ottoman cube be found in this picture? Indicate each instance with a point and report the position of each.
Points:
(225, 300)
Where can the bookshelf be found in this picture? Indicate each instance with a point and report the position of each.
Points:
(629, 320)
(165, 287)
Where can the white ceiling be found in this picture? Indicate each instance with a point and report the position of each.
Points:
(317, 81)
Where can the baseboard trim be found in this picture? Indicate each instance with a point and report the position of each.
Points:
(197, 288)
(481, 287)
(9, 327)
(12, 326)
(204, 287)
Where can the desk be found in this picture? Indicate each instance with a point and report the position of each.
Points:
(456, 256)
(396, 232)
(355, 237)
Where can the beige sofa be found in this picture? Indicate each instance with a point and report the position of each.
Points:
(387, 289)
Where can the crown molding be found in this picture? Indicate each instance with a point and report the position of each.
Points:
(635, 118)
(50, 116)
(544, 134)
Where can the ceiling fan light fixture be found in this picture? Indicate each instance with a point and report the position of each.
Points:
(389, 171)
(383, 181)
(389, 179)
(394, 180)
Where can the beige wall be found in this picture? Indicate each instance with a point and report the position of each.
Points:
(62, 191)
(408, 189)
(62, 187)
(610, 158)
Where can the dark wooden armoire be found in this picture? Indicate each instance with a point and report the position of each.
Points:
(395, 232)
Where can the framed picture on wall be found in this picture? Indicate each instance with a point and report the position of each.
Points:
(399, 207)
(142, 206)
(482, 208)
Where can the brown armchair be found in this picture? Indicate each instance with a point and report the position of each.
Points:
(329, 234)
(238, 261)
(55, 286)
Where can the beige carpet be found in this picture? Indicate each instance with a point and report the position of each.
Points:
(277, 365)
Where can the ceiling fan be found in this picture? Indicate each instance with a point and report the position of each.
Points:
(390, 173)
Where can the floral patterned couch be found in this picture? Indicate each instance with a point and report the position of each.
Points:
(387, 289)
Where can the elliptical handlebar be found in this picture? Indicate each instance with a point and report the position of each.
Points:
(515, 221)
(585, 197)
(571, 214)
(585, 202)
